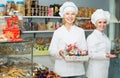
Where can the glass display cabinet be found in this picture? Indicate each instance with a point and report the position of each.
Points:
(16, 59)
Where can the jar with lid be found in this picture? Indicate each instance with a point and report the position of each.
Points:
(28, 7)
(2, 9)
(10, 6)
(20, 6)
(28, 4)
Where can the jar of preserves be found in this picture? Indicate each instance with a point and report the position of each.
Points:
(2, 9)
(28, 7)
(28, 4)
(20, 6)
(10, 7)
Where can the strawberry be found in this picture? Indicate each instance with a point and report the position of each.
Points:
(69, 48)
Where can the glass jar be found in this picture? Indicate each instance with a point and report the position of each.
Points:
(20, 6)
(10, 7)
(2, 9)
(28, 7)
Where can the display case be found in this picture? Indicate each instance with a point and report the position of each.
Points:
(16, 59)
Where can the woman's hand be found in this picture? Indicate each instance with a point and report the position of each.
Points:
(108, 55)
(61, 52)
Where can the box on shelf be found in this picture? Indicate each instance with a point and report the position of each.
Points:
(11, 30)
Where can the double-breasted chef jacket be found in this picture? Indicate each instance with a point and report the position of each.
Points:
(98, 45)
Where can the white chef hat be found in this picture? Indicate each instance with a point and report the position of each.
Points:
(67, 6)
(100, 14)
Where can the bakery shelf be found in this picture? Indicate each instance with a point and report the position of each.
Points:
(79, 18)
(37, 17)
(41, 17)
(44, 31)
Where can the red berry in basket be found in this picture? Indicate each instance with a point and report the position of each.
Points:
(69, 48)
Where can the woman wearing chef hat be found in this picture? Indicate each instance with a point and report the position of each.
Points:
(68, 33)
(99, 46)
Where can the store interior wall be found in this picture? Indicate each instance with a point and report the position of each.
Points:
(117, 27)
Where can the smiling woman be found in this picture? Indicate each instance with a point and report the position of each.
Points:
(67, 34)
(99, 46)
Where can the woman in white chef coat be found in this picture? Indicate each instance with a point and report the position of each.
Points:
(99, 46)
(67, 34)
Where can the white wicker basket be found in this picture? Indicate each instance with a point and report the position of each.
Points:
(77, 58)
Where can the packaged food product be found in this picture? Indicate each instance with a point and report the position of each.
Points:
(20, 6)
(51, 25)
(2, 9)
(35, 3)
(28, 4)
(28, 12)
(42, 26)
(28, 7)
(50, 11)
(10, 6)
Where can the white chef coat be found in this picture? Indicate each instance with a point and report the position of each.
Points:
(98, 45)
(61, 38)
